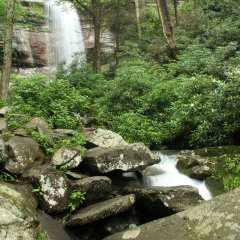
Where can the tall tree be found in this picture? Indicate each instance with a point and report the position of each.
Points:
(94, 9)
(166, 24)
(7, 57)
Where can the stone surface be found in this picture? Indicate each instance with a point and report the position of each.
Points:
(60, 134)
(31, 47)
(3, 152)
(95, 189)
(54, 187)
(24, 153)
(18, 213)
(54, 229)
(131, 157)
(201, 172)
(67, 155)
(119, 224)
(217, 218)
(101, 210)
(42, 127)
(165, 200)
(3, 126)
(3, 111)
(104, 138)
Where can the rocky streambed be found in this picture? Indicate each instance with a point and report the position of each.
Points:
(39, 195)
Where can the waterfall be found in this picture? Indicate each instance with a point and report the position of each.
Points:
(66, 33)
(165, 174)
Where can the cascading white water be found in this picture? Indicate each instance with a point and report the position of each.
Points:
(66, 32)
(167, 175)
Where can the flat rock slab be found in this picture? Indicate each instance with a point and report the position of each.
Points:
(54, 229)
(165, 200)
(218, 218)
(101, 210)
(131, 157)
(104, 138)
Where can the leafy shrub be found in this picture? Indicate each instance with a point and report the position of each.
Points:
(54, 100)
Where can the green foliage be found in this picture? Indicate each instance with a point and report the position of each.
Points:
(54, 100)
(6, 177)
(44, 142)
(230, 173)
(81, 76)
(76, 140)
(14, 124)
(38, 191)
(77, 198)
(43, 236)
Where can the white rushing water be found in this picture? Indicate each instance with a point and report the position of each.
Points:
(167, 175)
(66, 33)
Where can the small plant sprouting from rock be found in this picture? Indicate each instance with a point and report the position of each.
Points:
(6, 177)
(77, 198)
(38, 191)
(230, 175)
(43, 236)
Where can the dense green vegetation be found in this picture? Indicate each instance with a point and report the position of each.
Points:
(188, 101)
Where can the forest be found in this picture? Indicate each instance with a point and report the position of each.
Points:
(171, 83)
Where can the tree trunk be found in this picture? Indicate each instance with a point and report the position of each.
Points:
(138, 18)
(166, 24)
(175, 11)
(7, 57)
(117, 37)
(97, 30)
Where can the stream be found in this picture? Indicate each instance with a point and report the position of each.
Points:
(165, 174)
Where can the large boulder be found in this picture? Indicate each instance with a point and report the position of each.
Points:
(95, 189)
(24, 153)
(51, 186)
(217, 218)
(165, 200)
(101, 210)
(3, 152)
(71, 156)
(103, 138)
(131, 157)
(42, 127)
(18, 213)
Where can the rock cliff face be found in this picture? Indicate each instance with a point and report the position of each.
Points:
(30, 48)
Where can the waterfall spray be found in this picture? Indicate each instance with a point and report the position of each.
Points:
(66, 33)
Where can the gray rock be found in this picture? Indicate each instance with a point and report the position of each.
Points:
(131, 157)
(3, 126)
(201, 172)
(24, 153)
(104, 138)
(217, 218)
(95, 189)
(67, 154)
(54, 229)
(119, 224)
(3, 152)
(60, 134)
(75, 176)
(4, 111)
(42, 127)
(54, 187)
(18, 213)
(165, 200)
(101, 210)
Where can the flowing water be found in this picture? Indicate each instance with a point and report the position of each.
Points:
(65, 26)
(165, 174)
